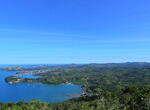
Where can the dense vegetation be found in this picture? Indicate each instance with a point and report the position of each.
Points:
(131, 98)
(107, 87)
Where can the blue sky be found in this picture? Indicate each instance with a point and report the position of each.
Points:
(74, 31)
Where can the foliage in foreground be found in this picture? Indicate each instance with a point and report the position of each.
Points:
(131, 98)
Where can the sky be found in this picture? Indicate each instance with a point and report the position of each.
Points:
(74, 31)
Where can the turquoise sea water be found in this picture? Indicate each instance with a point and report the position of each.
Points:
(29, 91)
(27, 76)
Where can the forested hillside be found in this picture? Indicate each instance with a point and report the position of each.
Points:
(123, 86)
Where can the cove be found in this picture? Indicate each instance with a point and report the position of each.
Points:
(28, 91)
